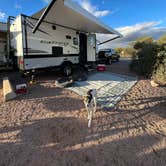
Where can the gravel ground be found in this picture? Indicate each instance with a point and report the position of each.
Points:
(48, 127)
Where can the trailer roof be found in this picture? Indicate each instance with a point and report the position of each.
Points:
(70, 14)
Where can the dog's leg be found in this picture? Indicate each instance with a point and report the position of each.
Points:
(91, 109)
(95, 104)
(88, 111)
(90, 119)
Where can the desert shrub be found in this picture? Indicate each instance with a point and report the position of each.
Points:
(119, 50)
(162, 40)
(145, 58)
(159, 69)
(127, 52)
(150, 60)
(143, 39)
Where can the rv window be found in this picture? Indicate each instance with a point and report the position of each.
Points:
(68, 37)
(75, 41)
(58, 51)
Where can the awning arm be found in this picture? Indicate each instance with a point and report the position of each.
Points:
(43, 16)
(109, 40)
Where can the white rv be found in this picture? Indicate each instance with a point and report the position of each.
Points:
(62, 34)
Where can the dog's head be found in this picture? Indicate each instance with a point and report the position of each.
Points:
(89, 95)
(87, 99)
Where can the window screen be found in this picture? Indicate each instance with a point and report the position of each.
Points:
(68, 37)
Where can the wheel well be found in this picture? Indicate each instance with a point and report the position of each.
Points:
(66, 63)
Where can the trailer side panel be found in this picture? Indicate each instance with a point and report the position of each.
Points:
(50, 46)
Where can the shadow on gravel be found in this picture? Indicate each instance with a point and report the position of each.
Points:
(67, 141)
(145, 106)
(54, 99)
(63, 104)
(40, 91)
(136, 119)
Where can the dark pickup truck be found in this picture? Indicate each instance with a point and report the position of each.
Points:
(107, 56)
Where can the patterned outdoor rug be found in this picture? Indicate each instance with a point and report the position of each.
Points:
(110, 87)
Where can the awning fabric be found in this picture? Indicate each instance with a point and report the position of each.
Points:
(70, 14)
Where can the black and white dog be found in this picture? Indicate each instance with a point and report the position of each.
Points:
(90, 101)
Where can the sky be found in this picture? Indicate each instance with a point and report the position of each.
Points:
(132, 18)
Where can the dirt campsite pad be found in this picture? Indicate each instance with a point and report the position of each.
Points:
(48, 127)
(110, 87)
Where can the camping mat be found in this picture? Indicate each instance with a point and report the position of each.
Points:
(110, 87)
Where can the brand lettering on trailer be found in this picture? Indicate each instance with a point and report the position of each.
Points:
(54, 42)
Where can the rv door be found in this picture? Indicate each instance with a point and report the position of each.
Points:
(91, 47)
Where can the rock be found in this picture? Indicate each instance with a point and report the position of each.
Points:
(63, 82)
(8, 91)
(153, 83)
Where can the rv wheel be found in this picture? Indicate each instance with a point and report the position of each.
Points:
(67, 70)
(15, 65)
(109, 61)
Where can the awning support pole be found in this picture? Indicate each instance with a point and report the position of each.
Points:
(43, 16)
(109, 40)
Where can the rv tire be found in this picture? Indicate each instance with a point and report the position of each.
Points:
(109, 61)
(15, 65)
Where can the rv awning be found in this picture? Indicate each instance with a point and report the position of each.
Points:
(69, 14)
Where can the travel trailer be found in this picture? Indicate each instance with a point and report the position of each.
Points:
(61, 35)
(3, 42)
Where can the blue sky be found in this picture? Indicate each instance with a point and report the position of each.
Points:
(133, 18)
